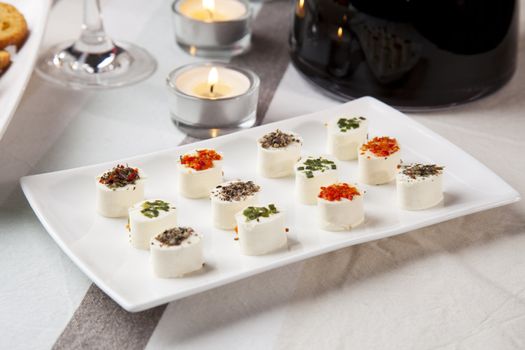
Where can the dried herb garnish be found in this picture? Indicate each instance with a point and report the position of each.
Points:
(174, 236)
(346, 124)
(278, 139)
(151, 209)
(254, 213)
(316, 164)
(235, 191)
(420, 170)
(120, 176)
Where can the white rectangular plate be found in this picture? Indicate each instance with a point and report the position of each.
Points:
(14, 81)
(64, 202)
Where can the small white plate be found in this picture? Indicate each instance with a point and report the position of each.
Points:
(64, 202)
(14, 81)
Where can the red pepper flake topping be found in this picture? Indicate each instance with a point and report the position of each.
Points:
(381, 146)
(201, 160)
(338, 191)
(120, 176)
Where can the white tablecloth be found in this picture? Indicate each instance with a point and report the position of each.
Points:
(457, 285)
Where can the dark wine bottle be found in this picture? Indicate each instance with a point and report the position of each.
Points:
(413, 54)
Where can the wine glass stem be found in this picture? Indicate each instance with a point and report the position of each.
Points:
(93, 38)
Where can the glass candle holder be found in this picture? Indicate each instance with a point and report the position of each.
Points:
(210, 28)
(211, 99)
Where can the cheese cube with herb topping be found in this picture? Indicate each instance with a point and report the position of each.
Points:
(340, 207)
(345, 135)
(378, 160)
(261, 230)
(176, 252)
(198, 173)
(311, 173)
(419, 186)
(229, 198)
(147, 219)
(118, 189)
(277, 153)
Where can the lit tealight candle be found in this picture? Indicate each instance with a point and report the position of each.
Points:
(207, 98)
(212, 82)
(215, 88)
(212, 28)
(207, 11)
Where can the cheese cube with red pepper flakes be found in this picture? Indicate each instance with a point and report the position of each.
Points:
(340, 207)
(198, 173)
(118, 189)
(378, 160)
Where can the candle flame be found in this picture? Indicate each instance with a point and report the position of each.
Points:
(208, 5)
(213, 78)
(340, 32)
(301, 4)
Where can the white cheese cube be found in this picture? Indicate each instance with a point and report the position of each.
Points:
(229, 198)
(345, 135)
(193, 183)
(114, 202)
(377, 169)
(178, 257)
(149, 218)
(277, 153)
(262, 235)
(416, 191)
(311, 173)
(342, 214)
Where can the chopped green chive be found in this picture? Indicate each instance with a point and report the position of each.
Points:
(151, 209)
(346, 124)
(254, 213)
(311, 165)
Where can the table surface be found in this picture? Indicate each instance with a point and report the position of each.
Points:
(456, 285)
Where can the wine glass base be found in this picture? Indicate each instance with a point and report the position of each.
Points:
(124, 64)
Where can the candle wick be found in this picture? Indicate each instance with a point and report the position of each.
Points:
(211, 88)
